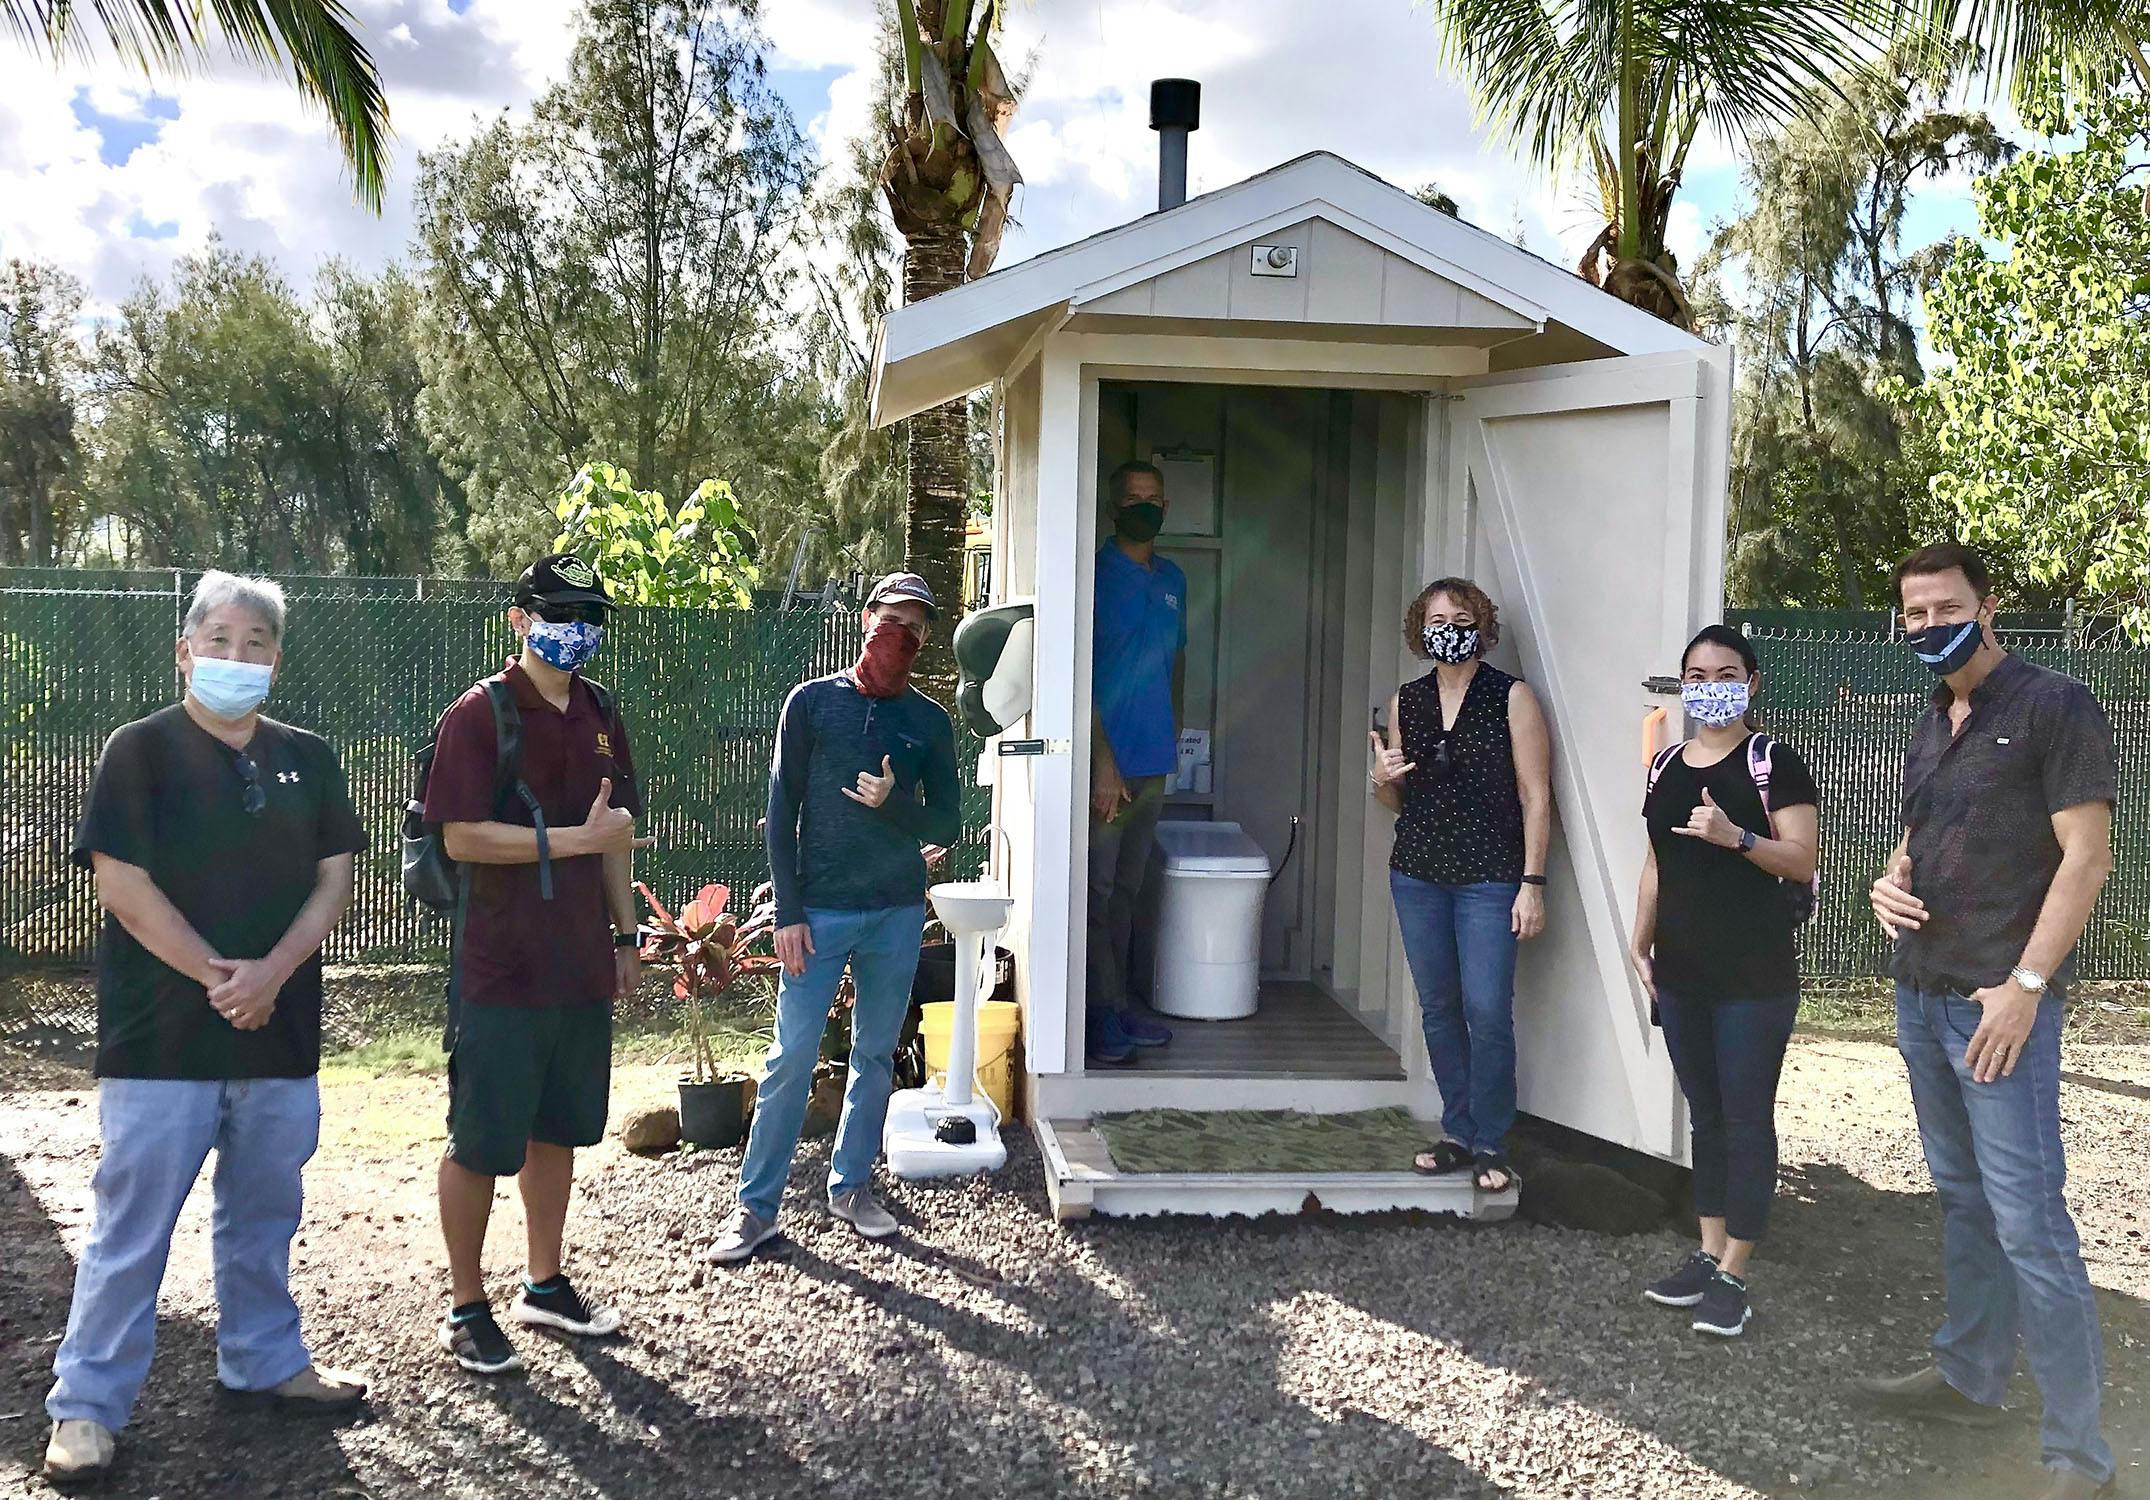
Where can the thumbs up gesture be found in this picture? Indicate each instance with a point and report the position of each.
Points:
(609, 829)
(1708, 823)
(873, 790)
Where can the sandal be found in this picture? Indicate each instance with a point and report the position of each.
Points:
(1490, 1162)
(1444, 1158)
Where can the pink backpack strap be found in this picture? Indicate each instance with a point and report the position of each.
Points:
(1761, 750)
(1662, 759)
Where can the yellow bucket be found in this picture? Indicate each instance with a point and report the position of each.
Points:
(998, 1023)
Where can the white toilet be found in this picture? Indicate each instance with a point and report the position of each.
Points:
(1209, 921)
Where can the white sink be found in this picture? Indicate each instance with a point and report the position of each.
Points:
(967, 908)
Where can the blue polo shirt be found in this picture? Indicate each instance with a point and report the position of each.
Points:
(1140, 628)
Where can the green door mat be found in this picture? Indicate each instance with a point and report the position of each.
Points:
(1262, 1140)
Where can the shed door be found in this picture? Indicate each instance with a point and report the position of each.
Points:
(1590, 500)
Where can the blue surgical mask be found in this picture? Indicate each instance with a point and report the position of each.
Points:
(1715, 704)
(568, 644)
(1946, 648)
(229, 689)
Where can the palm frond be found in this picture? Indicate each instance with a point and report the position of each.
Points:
(329, 63)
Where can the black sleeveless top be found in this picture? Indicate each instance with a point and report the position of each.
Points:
(1465, 827)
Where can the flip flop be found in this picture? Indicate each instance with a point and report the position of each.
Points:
(1489, 1162)
(1444, 1158)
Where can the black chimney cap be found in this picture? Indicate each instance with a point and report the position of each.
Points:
(1175, 104)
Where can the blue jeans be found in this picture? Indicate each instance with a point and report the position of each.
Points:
(2014, 1267)
(1461, 946)
(882, 949)
(156, 1134)
(1728, 1055)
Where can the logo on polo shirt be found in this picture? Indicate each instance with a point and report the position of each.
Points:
(604, 744)
(1173, 600)
(287, 777)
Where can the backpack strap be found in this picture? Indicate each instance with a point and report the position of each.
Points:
(508, 774)
(1662, 759)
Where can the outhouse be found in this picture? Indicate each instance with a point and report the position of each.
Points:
(1349, 394)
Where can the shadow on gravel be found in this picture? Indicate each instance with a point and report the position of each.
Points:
(1146, 1373)
(188, 1437)
(2106, 1085)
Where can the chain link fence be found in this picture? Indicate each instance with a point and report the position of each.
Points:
(370, 663)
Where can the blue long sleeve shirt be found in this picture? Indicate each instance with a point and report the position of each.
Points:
(831, 853)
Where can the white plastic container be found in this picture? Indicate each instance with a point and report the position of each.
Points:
(1209, 922)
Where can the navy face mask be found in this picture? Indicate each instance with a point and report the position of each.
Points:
(1946, 648)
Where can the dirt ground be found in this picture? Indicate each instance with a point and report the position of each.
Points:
(994, 1352)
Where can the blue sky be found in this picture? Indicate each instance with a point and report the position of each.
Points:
(113, 179)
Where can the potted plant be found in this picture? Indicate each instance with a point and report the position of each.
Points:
(711, 950)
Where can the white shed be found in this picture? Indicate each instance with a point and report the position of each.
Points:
(1350, 393)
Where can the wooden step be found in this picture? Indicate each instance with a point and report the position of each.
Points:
(1082, 1180)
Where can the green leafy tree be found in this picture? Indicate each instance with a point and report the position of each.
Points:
(697, 556)
(2041, 418)
(328, 63)
(1620, 89)
(2086, 47)
(41, 375)
(605, 281)
(1829, 487)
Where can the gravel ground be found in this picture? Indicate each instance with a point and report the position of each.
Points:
(994, 1352)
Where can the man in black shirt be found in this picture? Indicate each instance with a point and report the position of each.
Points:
(222, 844)
(2007, 811)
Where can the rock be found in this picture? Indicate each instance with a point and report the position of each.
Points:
(825, 1102)
(649, 1131)
(1582, 1195)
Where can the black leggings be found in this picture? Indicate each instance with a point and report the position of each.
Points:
(1728, 1054)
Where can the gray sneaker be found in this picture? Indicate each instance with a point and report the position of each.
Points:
(745, 1233)
(858, 1209)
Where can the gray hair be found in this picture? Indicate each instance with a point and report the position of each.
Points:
(263, 598)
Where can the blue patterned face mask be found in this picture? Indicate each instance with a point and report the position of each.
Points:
(1715, 704)
(566, 644)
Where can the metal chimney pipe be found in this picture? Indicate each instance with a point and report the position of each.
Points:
(1175, 112)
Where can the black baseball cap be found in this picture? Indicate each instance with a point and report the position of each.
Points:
(904, 586)
(561, 578)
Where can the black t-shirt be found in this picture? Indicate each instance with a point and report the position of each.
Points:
(1724, 925)
(169, 797)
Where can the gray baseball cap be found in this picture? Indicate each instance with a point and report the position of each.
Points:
(904, 586)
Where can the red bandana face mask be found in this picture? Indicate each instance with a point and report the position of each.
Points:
(884, 667)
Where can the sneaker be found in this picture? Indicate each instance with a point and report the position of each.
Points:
(1105, 1043)
(859, 1209)
(1141, 1031)
(1685, 1286)
(471, 1335)
(78, 1451)
(1927, 1396)
(556, 1304)
(1723, 1310)
(746, 1232)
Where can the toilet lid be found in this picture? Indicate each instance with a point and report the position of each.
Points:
(1209, 848)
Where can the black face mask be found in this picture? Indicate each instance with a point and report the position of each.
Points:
(1139, 522)
(1946, 648)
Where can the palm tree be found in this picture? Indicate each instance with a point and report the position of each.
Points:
(1622, 87)
(329, 64)
(948, 179)
(2086, 43)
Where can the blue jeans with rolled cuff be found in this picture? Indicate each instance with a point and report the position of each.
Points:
(2013, 1263)
(156, 1134)
(1460, 943)
(882, 949)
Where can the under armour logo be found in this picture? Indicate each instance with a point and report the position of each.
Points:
(287, 776)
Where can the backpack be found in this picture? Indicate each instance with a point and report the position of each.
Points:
(430, 877)
(1804, 899)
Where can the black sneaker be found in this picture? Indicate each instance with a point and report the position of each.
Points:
(556, 1304)
(1685, 1286)
(471, 1335)
(1724, 1310)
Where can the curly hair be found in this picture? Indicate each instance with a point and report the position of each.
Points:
(1465, 593)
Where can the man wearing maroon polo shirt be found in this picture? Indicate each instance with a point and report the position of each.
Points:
(546, 942)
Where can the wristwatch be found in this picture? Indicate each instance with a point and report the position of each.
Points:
(626, 940)
(2028, 979)
(1746, 840)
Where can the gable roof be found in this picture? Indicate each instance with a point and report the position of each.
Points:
(933, 351)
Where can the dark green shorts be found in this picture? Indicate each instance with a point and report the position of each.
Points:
(519, 1075)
